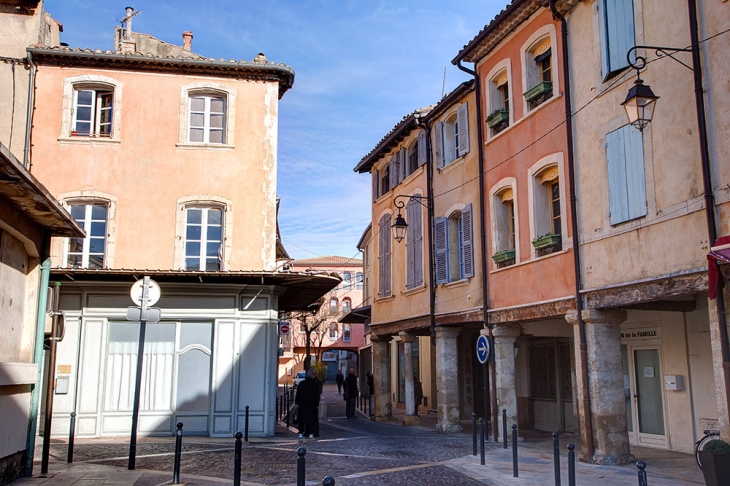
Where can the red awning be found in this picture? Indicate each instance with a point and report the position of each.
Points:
(720, 252)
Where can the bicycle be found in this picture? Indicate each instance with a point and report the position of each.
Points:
(709, 436)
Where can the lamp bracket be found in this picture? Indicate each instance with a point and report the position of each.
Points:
(416, 197)
(640, 61)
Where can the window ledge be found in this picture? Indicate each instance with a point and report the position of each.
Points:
(414, 290)
(385, 299)
(457, 283)
(452, 164)
(204, 146)
(89, 140)
(525, 117)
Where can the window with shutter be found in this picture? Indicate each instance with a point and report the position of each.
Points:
(409, 246)
(414, 243)
(616, 26)
(403, 164)
(463, 128)
(439, 144)
(422, 147)
(393, 171)
(626, 178)
(376, 183)
(467, 246)
(441, 239)
(384, 284)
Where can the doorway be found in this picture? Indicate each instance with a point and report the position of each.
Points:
(644, 395)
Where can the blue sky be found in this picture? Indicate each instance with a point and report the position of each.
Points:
(360, 67)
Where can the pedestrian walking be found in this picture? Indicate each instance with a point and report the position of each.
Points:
(339, 379)
(417, 392)
(320, 386)
(307, 398)
(350, 393)
(371, 385)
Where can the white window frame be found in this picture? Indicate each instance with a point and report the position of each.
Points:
(207, 113)
(346, 333)
(97, 84)
(86, 224)
(528, 62)
(203, 200)
(203, 242)
(537, 209)
(203, 89)
(508, 183)
(494, 98)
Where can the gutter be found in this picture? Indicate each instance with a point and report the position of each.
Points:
(29, 112)
(483, 246)
(586, 398)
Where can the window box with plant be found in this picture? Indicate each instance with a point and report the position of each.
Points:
(534, 94)
(549, 240)
(715, 460)
(497, 117)
(503, 256)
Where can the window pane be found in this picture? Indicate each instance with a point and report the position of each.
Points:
(193, 378)
(214, 216)
(76, 245)
(214, 233)
(98, 229)
(213, 265)
(216, 121)
(216, 136)
(96, 245)
(83, 113)
(96, 261)
(74, 261)
(194, 215)
(195, 333)
(192, 264)
(83, 128)
(197, 120)
(197, 104)
(217, 105)
(213, 249)
(98, 212)
(196, 134)
(192, 248)
(84, 97)
(77, 211)
(192, 233)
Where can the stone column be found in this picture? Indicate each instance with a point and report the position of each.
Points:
(447, 380)
(411, 418)
(504, 371)
(723, 407)
(605, 384)
(381, 379)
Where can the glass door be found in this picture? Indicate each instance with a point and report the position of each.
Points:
(644, 395)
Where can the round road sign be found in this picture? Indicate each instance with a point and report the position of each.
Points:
(284, 328)
(482, 348)
(153, 294)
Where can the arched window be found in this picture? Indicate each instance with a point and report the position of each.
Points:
(358, 280)
(346, 305)
(88, 252)
(347, 281)
(203, 238)
(334, 306)
(346, 333)
(207, 122)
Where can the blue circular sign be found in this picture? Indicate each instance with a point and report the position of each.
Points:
(482, 348)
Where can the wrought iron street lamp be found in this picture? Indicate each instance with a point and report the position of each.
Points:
(400, 226)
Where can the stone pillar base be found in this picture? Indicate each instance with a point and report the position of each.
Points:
(380, 419)
(410, 420)
(613, 459)
(449, 429)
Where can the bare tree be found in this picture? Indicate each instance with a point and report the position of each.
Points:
(315, 325)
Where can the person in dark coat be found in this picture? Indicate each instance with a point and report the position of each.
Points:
(307, 398)
(371, 385)
(320, 387)
(339, 379)
(417, 392)
(350, 393)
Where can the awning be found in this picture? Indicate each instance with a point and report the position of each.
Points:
(357, 315)
(720, 253)
(301, 289)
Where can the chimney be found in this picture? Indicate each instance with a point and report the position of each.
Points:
(126, 42)
(187, 41)
(128, 27)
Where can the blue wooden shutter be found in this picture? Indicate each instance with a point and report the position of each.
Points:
(387, 287)
(392, 173)
(463, 121)
(441, 239)
(626, 179)
(467, 245)
(403, 163)
(383, 231)
(376, 184)
(422, 147)
(418, 245)
(439, 142)
(616, 25)
(410, 244)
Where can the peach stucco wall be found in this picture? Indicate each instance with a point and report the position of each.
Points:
(531, 136)
(147, 172)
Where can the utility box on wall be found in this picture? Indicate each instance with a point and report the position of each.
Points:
(673, 382)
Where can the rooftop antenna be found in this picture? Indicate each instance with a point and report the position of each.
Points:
(128, 20)
(443, 85)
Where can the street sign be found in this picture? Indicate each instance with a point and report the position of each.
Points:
(153, 294)
(482, 348)
(284, 328)
(151, 314)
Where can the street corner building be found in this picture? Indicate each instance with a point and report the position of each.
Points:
(168, 161)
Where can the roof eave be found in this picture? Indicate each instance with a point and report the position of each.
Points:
(391, 140)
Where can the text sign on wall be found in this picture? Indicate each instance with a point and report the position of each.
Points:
(641, 333)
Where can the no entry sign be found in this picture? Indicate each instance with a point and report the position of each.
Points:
(283, 328)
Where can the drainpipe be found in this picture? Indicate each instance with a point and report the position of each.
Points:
(29, 112)
(429, 200)
(483, 246)
(38, 357)
(707, 180)
(586, 398)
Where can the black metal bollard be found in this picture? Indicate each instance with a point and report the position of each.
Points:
(504, 427)
(328, 481)
(641, 466)
(278, 407)
(71, 433)
(481, 438)
(245, 426)
(474, 434)
(556, 457)
(571, 465)
(178, 453)
(237, 461)
(286, 409)
(301, 472)
(515, 468)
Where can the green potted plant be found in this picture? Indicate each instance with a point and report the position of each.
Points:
(715, 459)
(497, 117)
(549, 240)
(503, 256)
(541, 89)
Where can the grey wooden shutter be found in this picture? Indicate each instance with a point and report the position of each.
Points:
(403, 163)
(417, 245)
(462, 118)
(422, 147)
(441, 242)
(376, 183)
(616, 26)
(410, 244)
(387, 285)
(382, 232)
(467, 244)
(626, 179)
(393, 173)
(439, 151)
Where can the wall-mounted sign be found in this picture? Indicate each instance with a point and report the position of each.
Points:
(641, 333)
